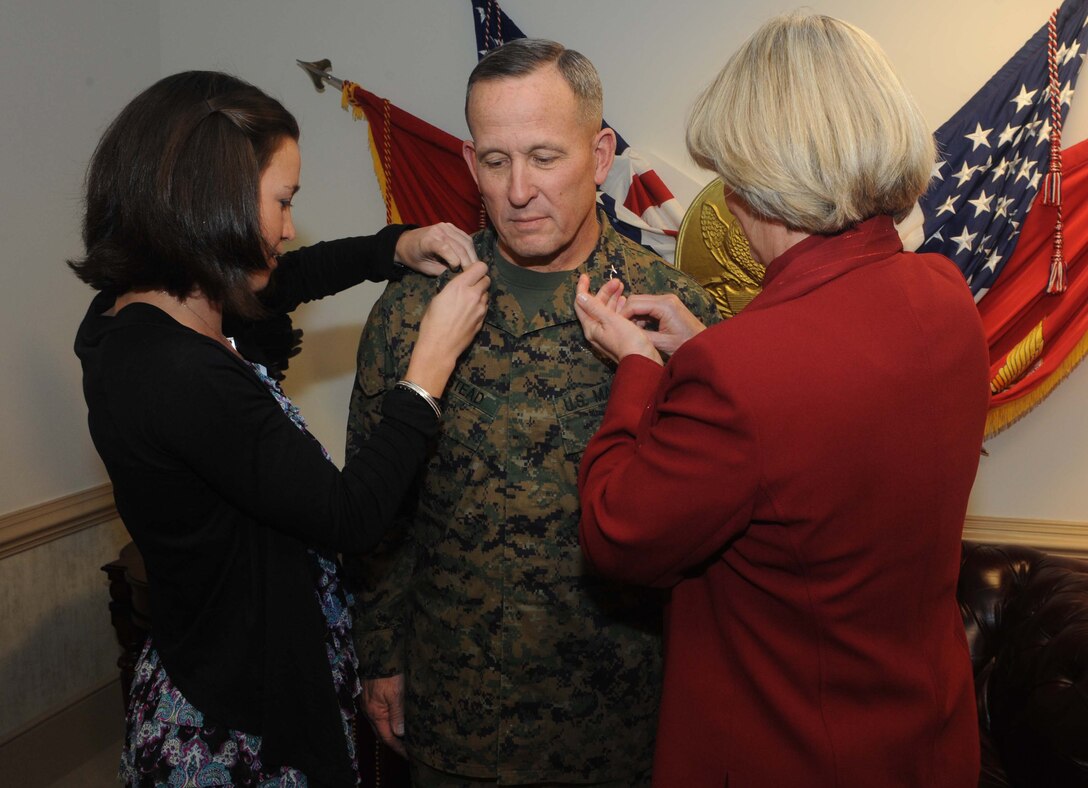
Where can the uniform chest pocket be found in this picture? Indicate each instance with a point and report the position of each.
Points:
(457, 459)
(580, 413)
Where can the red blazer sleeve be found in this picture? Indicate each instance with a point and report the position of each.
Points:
(671, 476)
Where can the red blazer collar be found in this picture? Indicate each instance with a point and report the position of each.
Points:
(820, 258)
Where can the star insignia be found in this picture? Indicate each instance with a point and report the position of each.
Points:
(1044, 132)
(1024, 98)
(999, 170)
(1025, 170)
(948, 206)
(963, 241)
(979, 136)
(982, 202)
(964, 174)
(1008, 135)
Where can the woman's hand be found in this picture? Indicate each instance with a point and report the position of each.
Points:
(607, 330)
(452, 319)
(431, 250)
(675, 324)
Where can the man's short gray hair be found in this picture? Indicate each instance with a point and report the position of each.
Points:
(524, 56)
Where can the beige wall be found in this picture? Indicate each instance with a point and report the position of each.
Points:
(56, 643)
(653, 57)
(69, 66)
(65, 68)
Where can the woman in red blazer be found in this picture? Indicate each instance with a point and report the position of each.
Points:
(798, 475)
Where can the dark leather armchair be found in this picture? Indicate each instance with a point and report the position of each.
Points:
(1026, 616)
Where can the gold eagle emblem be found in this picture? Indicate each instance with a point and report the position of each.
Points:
(713, 249)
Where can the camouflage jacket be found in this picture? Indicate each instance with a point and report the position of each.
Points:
(518, 661)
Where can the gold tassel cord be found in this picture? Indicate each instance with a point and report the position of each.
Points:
(382, 157)
(1019, 360)
(1004, 416)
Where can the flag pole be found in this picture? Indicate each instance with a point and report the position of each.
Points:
(318, 71)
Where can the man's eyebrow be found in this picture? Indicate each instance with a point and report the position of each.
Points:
(534, 148)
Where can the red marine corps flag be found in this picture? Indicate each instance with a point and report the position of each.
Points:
(1037, 339)
(420, 170)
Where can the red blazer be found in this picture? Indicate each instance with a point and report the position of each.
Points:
(799, 475)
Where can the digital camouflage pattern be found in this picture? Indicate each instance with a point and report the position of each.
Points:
(519, 662)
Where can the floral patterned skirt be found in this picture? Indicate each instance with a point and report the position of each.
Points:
(169, 743)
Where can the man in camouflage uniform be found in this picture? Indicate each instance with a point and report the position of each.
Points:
(517, 665)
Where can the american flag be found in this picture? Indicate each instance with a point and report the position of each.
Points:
(634, 195)
(993, 154)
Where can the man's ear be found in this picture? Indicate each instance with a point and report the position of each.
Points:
(604, 151)
(468, 152)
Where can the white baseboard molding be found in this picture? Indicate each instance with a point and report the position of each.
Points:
(1061, 537)
(51, 520)
(37, 525)
(55, 744)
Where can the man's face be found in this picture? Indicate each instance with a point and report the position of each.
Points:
(538, 163)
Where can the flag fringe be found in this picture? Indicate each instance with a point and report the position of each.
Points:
(392, 213)
(1004, 416)
(383, 160)
(347, 99)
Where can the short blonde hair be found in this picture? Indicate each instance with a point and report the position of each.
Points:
(809, 125)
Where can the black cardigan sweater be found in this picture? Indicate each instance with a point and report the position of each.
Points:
(223, 494)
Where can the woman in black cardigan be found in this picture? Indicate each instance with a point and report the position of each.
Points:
(249, 677)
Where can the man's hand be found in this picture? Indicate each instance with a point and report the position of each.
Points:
(606, 329)
(675, 324)
(431, 250)
(383, 702)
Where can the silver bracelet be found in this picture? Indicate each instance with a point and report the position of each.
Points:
(415, 388)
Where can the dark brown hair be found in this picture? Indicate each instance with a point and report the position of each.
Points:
(173, 190)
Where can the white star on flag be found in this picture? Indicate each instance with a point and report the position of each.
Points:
(994, 181)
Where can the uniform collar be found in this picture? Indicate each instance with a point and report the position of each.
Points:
(607, 261)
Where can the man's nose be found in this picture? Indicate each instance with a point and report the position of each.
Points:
(521, 189)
